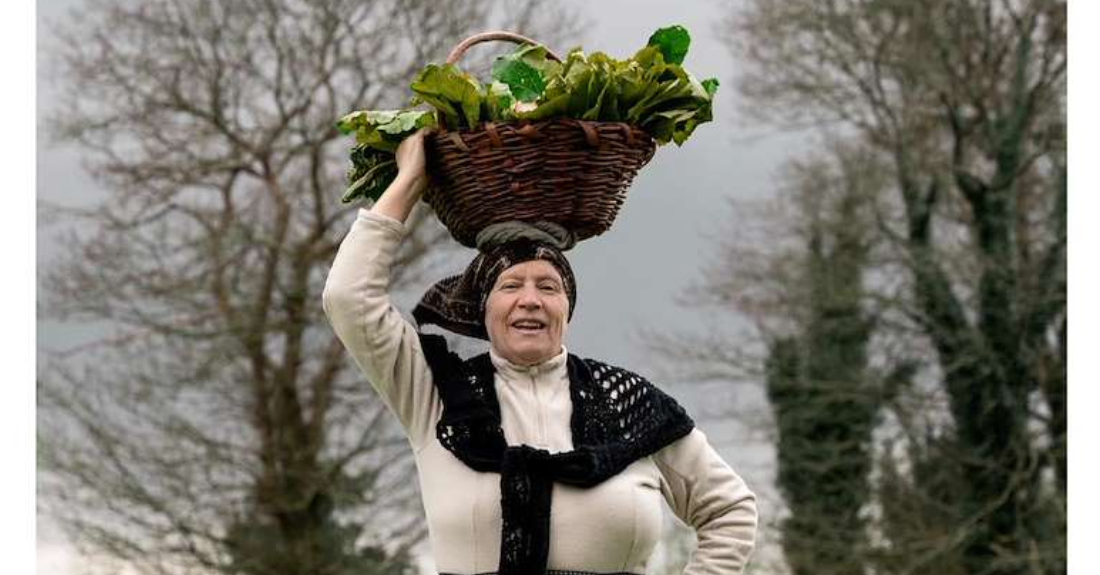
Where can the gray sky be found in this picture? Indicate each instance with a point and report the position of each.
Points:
(629, 277)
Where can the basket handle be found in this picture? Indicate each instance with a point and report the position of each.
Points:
(490, 36)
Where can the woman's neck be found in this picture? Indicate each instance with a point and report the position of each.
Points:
(504, 363)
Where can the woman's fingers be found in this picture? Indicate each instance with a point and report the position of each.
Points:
(410, 153)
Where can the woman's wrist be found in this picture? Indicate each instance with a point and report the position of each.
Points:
(414, 183)
(401, 195)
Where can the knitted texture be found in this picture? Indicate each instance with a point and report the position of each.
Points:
(618, 417)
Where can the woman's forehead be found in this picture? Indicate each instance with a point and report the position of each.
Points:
(536, 269)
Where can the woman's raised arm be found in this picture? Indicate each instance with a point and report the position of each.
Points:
(356, 300)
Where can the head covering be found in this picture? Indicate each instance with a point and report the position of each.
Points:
(457, 303)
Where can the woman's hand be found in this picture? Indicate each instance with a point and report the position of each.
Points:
(412, 164)
(411, 181)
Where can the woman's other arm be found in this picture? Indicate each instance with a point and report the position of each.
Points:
(705, 492)
(356, 300)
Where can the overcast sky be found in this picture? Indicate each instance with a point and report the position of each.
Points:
(629, 277)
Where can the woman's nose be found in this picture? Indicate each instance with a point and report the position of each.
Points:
(529, 297)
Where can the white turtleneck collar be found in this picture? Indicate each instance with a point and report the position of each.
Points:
(547, 369)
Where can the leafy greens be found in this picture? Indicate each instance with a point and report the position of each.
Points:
(651, 90)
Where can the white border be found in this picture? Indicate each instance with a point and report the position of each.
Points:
(18, 405)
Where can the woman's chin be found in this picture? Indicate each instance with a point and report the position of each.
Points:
(529, 354)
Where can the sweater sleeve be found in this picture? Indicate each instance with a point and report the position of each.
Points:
(383, 344)
(705, 492)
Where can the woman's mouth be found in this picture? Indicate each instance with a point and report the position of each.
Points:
(528, 325)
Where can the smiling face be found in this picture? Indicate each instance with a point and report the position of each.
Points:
(526, 313)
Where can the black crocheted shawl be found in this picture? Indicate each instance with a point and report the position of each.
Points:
(618, 417)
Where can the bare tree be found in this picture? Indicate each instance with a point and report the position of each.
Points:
(219, 427)
(799, 268)
(963, 103)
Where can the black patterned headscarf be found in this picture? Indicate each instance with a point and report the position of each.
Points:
(457, 303)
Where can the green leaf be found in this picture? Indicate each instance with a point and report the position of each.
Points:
(654, 96)
(662, 129)
(371, 173)
(381, 117)
(452, 92)
(496, 103)
(576, 64)
(350, 122)
(371, 137)
(400, 122)
(649, 60)
(606, 108)
(673, 42)
(710, 85)
(632, 88)
(538, 58)
(524, 80)
(378, 134)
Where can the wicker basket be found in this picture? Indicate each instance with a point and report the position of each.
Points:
(572, 172)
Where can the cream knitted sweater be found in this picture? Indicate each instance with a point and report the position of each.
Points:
(610, 528)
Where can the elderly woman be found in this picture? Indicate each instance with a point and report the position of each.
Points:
(530, 459)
